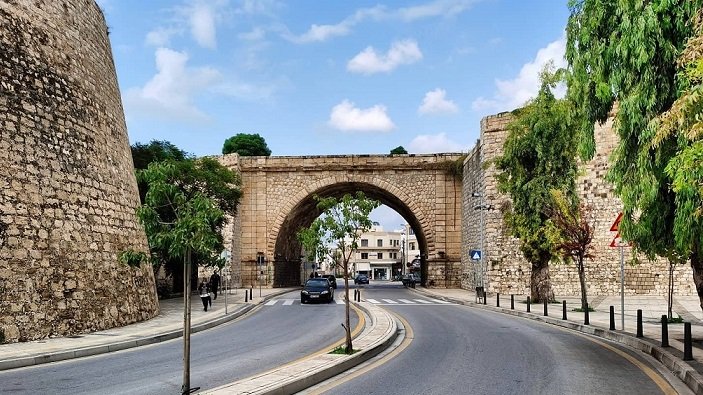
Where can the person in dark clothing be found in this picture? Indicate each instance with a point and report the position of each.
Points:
(204, 291)
(214, 283)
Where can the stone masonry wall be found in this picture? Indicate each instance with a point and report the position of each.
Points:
(68, 193)
(508, 272)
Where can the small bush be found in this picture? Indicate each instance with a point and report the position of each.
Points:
(341, 350)
(675, 320)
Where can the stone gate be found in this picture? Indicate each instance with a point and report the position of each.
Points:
(278, 200)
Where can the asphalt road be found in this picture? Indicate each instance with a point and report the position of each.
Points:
(274, 335)
(455, 349)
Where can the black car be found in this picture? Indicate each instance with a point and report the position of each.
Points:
(318, 288)
(332, 279)
(361, 279)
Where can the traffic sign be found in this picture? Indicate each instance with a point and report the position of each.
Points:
(475, 255)
(617, 240)
(615, 227)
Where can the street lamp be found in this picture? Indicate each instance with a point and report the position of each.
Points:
(479, 272)
(226, 256)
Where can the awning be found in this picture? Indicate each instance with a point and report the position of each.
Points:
(363, 266)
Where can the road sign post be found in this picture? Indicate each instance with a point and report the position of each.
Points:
(621, 244)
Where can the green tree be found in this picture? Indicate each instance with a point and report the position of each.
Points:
(183, 215)
(246, 145)
(538, 156)
(625, 52)
(573, 233)
(399, 150)
(156, 151)
(341, 223)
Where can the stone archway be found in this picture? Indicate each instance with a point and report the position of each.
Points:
(287, 249)
(278, 200)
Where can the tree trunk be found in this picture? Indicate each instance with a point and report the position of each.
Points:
(697, 266)
(670, 300)
(540, 284)
(185, 388)
(347, 329)
(582, 280)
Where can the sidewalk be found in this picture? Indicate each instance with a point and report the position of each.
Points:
(653, 307)
(167, 325)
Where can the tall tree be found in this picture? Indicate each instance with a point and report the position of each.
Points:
(399, 150)
(341, 223)
(684, 122)
(246, 145)
(183, 215)
(626, 52)
(538, 156)
(573, 233)
(156, 151)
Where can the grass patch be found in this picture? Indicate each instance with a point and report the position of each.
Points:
(341, 350)
(675, 320)
(580, 310)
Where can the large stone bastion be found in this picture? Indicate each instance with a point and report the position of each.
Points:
(68, 192)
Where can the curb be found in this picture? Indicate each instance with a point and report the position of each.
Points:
(319, 367)
(687, 374)
(14, 363)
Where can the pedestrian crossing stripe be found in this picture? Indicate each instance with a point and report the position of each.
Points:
(398, 302)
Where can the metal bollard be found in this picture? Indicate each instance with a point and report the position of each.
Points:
(586, 318)
(612, 318)
(497, 299)
(639, 323)
(665, 331)
(358, 296)
(484, 296)
(546, 312)
(528, 304)
(687, 342)
(246, 296)
(563, 309)
(512, 302)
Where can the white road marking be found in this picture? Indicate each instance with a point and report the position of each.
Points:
(390, 301)
(423, 301)
(373, 301)
(271, 302)
(288, 302)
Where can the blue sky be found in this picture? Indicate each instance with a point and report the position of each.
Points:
(328, 77)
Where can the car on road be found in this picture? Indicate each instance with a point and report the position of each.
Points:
(332, 279)
(409, 280)
(361, 279)
(317, 289)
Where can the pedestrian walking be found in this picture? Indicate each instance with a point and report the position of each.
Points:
(215, 283)
(204, 291)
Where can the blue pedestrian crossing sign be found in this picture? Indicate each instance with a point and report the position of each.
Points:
(475, 255)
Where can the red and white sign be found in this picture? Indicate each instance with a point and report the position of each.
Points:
(617, 240)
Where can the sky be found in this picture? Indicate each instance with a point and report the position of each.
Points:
(338, 77)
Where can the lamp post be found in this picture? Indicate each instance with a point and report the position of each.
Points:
(226, 256)
(480, 273)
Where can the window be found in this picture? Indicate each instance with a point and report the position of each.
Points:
(411, 245)
(379, 243)
(379, 255)
(364, 255)
(364, 242)
(394, 255)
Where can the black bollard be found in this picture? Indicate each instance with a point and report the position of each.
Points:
(563, 309)
(512, 302)
(246, 296)
(639, 323)
(546, 313)
(484, 297)
(665, 331)
(612, 318)
(687, 342)
(528, 304)
(251, 293)
(497, 300)
(358, 296)
(586, 318)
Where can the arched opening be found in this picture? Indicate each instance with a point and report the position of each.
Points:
(288, 264)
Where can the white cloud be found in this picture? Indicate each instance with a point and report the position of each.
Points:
(432, 144)
(437, 8)
(434, 9)
(435, 102)
(514, 93)
(345, 116)
(161, 36)
(202, 25)
(171, 91)
(369, 62)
